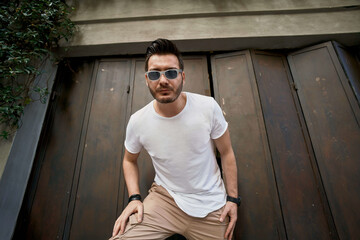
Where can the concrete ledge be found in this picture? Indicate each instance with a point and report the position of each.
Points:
(231, 32)
(110, 10)
(214, 44)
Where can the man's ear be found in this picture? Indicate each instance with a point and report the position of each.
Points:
(146, 80)
(183, 77)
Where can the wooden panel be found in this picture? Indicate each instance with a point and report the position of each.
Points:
(351, 66)
(236, 91)
(301, 203)
(141, 97)
(47, 217)
(96, 202)
(196, 75)
(332, 116)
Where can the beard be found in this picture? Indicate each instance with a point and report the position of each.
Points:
(167, 99)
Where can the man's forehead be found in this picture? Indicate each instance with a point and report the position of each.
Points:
(166, 60)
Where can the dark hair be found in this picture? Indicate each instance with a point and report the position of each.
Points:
(163, 46)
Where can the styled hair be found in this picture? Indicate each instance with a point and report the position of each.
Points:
(163, 46)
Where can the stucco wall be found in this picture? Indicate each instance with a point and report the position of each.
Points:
(125, 26)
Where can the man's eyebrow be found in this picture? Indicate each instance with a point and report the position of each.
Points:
(158, 69)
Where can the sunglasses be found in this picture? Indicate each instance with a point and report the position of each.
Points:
(169, 74)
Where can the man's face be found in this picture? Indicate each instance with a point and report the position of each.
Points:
(165, 90)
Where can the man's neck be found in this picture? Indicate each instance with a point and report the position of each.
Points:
(171, 109)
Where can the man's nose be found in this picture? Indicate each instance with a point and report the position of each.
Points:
(163, 79)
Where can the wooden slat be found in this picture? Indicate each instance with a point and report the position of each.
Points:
(332, 116)
(196, 75)
(351, 67)
(140, 97)
(301, 203)
(236, 91)
(96, 202)
(54, 186)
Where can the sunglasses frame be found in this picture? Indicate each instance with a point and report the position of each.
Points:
(164, 73)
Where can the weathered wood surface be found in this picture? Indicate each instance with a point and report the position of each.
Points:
(332, 117)
(236, 91)
(101, 151)
(50, 204)
(293, 160)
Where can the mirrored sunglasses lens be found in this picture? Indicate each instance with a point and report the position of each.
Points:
(171, 74)
(153, 76)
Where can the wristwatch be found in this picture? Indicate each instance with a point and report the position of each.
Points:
(135, 197)
(234, 200)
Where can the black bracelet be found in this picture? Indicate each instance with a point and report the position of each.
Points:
(135, 197)
(234, 200)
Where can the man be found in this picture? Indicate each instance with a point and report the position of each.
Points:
(178, 130)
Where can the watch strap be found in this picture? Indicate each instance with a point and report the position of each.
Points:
(135, 197)
(234, 200)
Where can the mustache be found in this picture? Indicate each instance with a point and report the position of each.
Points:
(159, 89)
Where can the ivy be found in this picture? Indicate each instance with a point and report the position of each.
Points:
(29, 31)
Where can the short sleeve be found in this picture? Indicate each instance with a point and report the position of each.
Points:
(132, 143)
(219, 124)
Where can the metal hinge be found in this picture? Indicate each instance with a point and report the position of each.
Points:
(293, 84)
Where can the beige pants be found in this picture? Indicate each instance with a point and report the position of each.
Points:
(163, 218)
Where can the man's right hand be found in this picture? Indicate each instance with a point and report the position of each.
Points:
(135, 206)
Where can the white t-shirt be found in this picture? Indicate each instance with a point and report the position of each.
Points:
(182, 152)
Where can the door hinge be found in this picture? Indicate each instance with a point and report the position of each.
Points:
(128, 89)
(293, 84)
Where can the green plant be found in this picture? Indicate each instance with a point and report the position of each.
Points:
(29, 32)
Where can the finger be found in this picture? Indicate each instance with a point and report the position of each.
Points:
(229, 229)
(123, 223)
(116, 227)
(122, 227)
(231, 234)
(140, 213)
(223, 215)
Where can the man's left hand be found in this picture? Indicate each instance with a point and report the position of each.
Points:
(231, 210)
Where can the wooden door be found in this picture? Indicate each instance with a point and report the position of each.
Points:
(78, 190)
(303, 203)
(76, 193)
(99, 161)
(46, 205)
(332, 116)
(294, 128)
(278, 174)
(236, 91)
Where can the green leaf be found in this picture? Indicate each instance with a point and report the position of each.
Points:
(29, 29)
